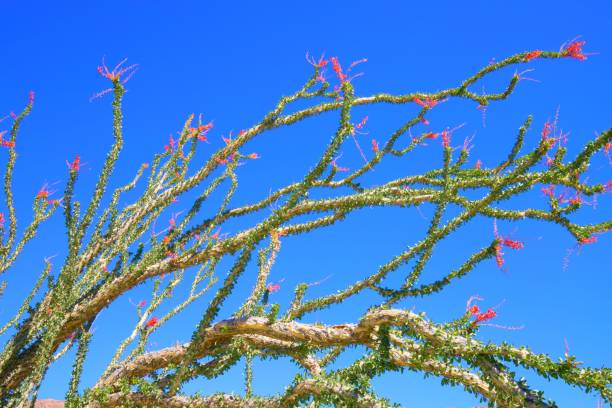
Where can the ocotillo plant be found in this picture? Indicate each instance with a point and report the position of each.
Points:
(113, 248)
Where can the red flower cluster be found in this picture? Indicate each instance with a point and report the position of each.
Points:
(576, 200)
(480, 316)
(445, 138)
(152, 322)
(338, 69)
(374, 145)
(201, 131)
(75, 165)
(426, 103)
(549, 191)
(361, 124)
(499, 255)
(574, 50)
(532, 55)
(6, 143)
(43, 192)
(488, 315)
(512, 244)
(589, 240)
(273, 287)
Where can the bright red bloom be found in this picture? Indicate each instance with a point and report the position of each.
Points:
(362, 123)
(445, 138)
(532, 55)
(430, 135)
(152, 322)
(424, 121)
(426, 103)
(478, 164)
(43, 192)
(607, 148)
(8, 143)
(574, 50)
(201, 131)
(499, 256)
(338, 69)
(589, 240)
(488, 315)
(273, 287)
(75, 165)
(576, 200)
(1, 218)
(374, 145)
(474, 310)
(512, 244)
(549, 191)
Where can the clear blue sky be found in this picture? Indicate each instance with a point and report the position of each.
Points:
(232, 60)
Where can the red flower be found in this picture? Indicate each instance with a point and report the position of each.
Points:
(499, 256)
(273, 287)
(589, 240)
(338, 69)
(43, 192)
(253, 156)
(488, 315)
(512, 244)
(474, 310)
(425, 121)
(430, 135)
(532, 55)
(142, 303)
(152, 322)
(549, 191)
(8, 143)
(75, 165)
(171, 143)
(576, 200)
(574, 50)
(201, 131)
(362, 123)
(478, 164)
(425, 103)
(374, 145)
(1, 218)
(445, 138)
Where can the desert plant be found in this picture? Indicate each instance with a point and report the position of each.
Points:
(111, 250)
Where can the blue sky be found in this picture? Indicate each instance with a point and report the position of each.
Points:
(231, 61)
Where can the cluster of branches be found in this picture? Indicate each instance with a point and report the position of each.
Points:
(111, 250)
